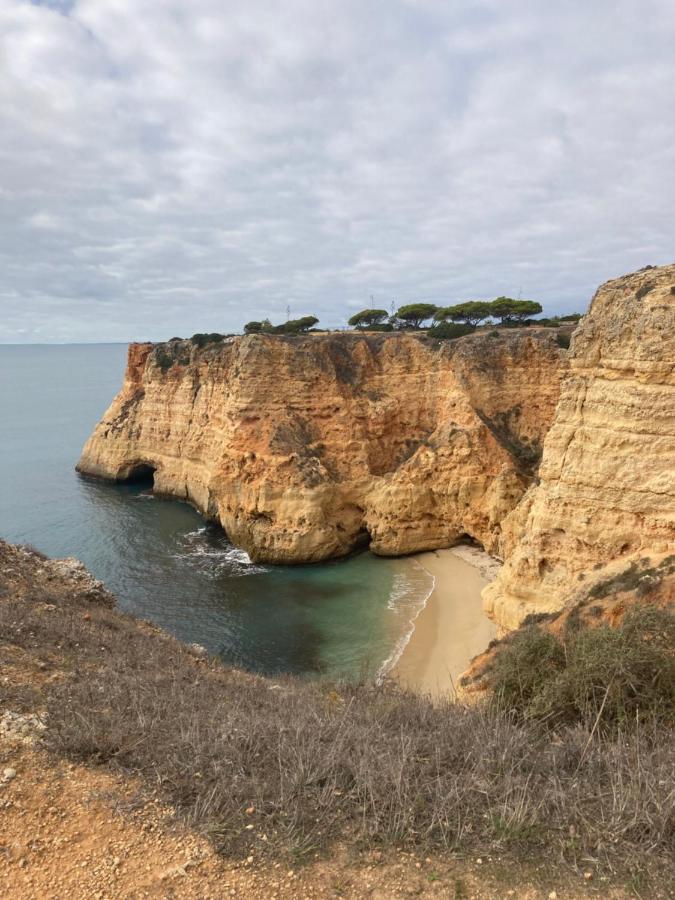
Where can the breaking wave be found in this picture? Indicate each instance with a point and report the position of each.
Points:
(210, 551)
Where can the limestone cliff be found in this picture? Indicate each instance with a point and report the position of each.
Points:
(303, 447)
(606, 488)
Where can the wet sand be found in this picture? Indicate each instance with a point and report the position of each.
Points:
(452, 628)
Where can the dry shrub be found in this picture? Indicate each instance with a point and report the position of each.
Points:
(374, 766)
(602, 677)
(364, 765)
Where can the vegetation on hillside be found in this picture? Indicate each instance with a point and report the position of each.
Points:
(413, 314)
(465, 316)
(608, 678)
(292, 326)
(368, 317)
(558, 765)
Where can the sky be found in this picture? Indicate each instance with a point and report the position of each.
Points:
(171, 167)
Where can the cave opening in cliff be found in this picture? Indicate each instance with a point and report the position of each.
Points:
(142, 475)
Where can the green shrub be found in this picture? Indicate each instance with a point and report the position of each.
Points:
(201, 340)
(381, 326)
(163, 359)
(604, 676)
(450, 330)
(563, 340)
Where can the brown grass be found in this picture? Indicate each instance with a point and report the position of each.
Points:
(307, 765)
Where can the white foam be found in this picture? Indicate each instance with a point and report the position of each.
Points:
(216, 560)
(400, 589)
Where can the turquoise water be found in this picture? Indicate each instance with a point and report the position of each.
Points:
(343, 619)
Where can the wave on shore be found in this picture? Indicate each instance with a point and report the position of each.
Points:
(410, 592)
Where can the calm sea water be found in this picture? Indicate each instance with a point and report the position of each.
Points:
(342, 619)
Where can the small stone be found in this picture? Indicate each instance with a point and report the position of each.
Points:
(479, 861)
(588, 875)
(249, 827)
(8, 774)
(553, 896)
(250, 810)
(249, 860)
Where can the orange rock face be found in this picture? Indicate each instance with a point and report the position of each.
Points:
(304, 447)
(607, 476)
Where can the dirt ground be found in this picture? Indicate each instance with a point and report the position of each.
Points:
(70, 831)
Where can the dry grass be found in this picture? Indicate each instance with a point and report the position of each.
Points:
(306, 765)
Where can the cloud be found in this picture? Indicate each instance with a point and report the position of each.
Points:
(169, 168)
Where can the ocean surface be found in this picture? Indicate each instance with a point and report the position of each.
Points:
(340, 620)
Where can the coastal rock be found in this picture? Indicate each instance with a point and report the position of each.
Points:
(606, 486)
(305, 447)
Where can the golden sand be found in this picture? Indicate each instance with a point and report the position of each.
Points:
(452, 628)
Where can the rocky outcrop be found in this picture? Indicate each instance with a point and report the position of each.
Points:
(303, 447)
(606, 488)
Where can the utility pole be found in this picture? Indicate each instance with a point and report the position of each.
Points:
(372, 302)
(288, 312)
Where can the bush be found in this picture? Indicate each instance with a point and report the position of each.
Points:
(531, 659)
(201, 340)
(562, 339)
(600, 677)
(163, 359)
(381, 326)
(450, 330)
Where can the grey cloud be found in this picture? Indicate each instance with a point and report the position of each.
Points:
(169, 168)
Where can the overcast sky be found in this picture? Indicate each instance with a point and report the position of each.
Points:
(173, 166)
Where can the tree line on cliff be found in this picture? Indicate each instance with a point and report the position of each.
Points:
(448, 321)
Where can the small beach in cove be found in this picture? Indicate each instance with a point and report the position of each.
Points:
(451, 628)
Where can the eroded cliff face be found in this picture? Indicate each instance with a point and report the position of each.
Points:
(607, 477)
(303, 447)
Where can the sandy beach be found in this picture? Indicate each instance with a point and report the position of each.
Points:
(452, 628)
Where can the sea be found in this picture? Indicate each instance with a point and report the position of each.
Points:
(343, 620)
